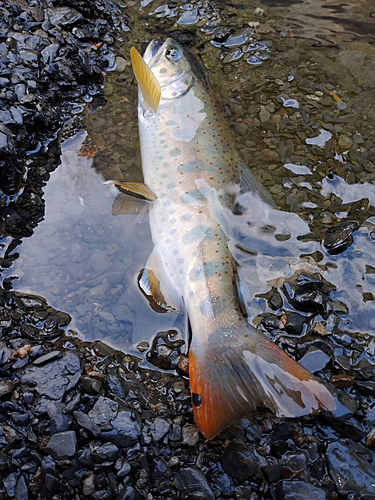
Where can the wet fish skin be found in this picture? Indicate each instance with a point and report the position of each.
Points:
(191, 165)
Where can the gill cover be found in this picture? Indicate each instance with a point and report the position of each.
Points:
(238, 371)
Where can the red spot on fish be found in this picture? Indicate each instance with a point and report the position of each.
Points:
(216, 234)
(218, 297)
(219, 275)
(211, 178)
(216, 251)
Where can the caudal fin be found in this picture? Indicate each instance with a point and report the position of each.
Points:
(235, 372)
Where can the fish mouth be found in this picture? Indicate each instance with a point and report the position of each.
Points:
(152, 50)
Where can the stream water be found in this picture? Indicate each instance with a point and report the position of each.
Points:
(296, 82)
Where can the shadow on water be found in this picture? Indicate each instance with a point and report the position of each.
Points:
(303, 120)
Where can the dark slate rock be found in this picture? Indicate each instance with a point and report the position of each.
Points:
(129, 493)
(241, 462)
(160, 428)
(349, 470)
(339, 237)
(86, 422)
(103, 411)
(10, 483)
(20, 418)
(62, 445)
(90, 385)
(49, 53)
(225, 483)
(161, 471)
(195, 485)
(107, 452)
(50, 356)
(85, 457)
(59, 422)
(125, 469)
(315, 360)
(175, 432)
(63, 16)
(53, 379)
(48, 464)
(295, 323)
(102, 495)
(22, 492)
(299, 490)
(126, 429)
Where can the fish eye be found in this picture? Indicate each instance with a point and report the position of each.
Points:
(173, 54)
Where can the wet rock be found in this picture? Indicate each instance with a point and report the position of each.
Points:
(314, 360)
(62, 445)
(161, 471)
(86, 422)
(125, 429)
(10, 483)
(349, 470)
(241, 462)
(107, 452)
(129, 493)
(159, 429)
(339, 237)
(103, 411)
(295, 323)
(59, 422)
(193, 484)
(53, 379)
(299, 490)
(6, 388)
(47, 357)
(63, 16)
(308, 292)
(22, 491)
(269, 156)
(88, 486)
(190, 435)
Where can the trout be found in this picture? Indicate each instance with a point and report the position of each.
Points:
(190, 167)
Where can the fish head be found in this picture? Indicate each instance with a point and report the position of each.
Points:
(172, 68)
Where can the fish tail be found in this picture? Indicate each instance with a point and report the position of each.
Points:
(238, 370)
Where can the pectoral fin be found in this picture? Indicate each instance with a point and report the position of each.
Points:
(125, 204)
(134, 188)
(251, 183)
(147, 81)
(156, 282)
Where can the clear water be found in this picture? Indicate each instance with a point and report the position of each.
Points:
(297, 84)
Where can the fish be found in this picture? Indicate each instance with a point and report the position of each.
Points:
(192, 172)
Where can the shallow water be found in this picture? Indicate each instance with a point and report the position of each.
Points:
(297, 85)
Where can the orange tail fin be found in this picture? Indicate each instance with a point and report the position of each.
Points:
(238, 371)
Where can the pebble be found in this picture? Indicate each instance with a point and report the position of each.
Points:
(299, 490)
(190, 435)
(315, 360)
(62, 445)
(195, 484)
(349, 470)
(88, 486)
(240, 462)
(159, 429)
(125, 430)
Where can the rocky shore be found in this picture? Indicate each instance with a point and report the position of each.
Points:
(81, 420)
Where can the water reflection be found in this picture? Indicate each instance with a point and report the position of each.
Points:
(85, 262)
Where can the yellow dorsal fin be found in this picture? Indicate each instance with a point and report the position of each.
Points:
(146, 79)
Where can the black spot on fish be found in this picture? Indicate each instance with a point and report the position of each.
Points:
(197, 399)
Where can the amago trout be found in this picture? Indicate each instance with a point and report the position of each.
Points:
(190, 166)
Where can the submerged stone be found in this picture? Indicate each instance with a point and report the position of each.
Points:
(349, 470)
